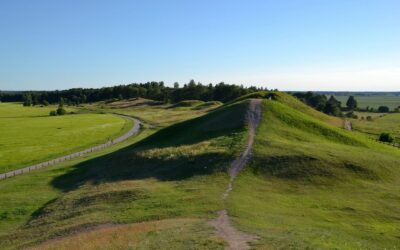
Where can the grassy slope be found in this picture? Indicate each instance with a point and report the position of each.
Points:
(179, 172)
(163, 234)
(33, 136)
(313, 185)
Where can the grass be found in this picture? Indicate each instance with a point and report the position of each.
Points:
(23, 195)
(32, 136)
(309, 185)
(16, 110)
(381, 123)
(156, 114)
(164, 234)
(373, 101)
(167, 175)
(314, 186)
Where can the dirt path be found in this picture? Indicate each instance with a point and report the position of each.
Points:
(236, 239)
(348, 125)
(133, 131)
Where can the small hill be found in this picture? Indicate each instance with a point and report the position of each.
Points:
(206, 105)
(187, 104)
(313, 185)
(133, 102)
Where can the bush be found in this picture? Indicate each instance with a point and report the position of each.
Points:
(351, 115)
(61, 111)
(386, 137)
(369, 118)
(383, 109)
(53, 113)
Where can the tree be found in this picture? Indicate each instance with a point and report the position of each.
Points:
(383, 109)
(386, 137)
(351, 103)
(61, 103)
(27, 100)
(176, 85)
(333, 107)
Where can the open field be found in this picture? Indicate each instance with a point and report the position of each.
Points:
(373, 101)
(15, 110)
(32, 136)
(381, 123)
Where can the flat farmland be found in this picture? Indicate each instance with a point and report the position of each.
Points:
(28, 135)
(373, 101)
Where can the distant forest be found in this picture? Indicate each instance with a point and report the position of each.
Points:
(150, 90)
(355, 93)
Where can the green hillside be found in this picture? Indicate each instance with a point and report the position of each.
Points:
(178, 172)
(311, 185)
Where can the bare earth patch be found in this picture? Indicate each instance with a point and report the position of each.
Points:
(235, 238)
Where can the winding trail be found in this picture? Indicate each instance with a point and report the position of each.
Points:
(133, 131)
(236, 239)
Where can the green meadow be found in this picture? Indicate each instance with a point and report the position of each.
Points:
(373, 101)
(380, 123)
(29, 135)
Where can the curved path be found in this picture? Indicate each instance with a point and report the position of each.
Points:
(133, 131)
(235, 238)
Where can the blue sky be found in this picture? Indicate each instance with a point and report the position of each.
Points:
(289, 45)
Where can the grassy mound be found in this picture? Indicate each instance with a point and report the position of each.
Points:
(187, 103)
(177, 172)
(312, 185)
(133, 102)
(207, 105)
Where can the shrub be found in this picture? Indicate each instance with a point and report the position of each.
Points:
(53, 113)
(61, 111)
(386, 137)
(369, 118)
(351, 115)
(383, 109)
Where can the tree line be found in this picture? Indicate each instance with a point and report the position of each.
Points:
(150, 90)
(332, 106)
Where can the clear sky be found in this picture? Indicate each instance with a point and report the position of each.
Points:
(289, 45)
